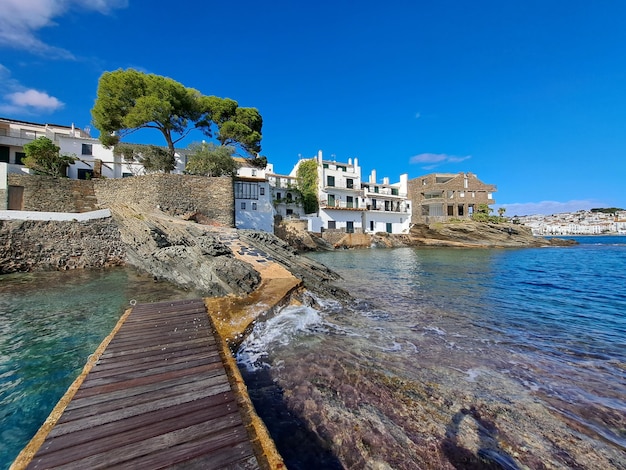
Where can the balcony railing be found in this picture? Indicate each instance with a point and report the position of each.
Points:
(340, 205)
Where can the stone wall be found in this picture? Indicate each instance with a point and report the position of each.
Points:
(175, 195)
(47, 194)
(50, 246)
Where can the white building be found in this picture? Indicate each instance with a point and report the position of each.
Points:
(348, 204)
(388, 206)
(253, 198)
(286, 196)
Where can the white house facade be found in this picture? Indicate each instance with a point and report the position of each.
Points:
(348, 204)
(253, 198)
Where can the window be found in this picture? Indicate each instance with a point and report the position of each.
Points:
(331, 200)
(489, 196)
(330, 181)
(243, 206)
(332, 224)
(85, 174)
(253, 172)
(394, 192)
(341, 168)
(349, 183)
(289, 211)
(424, 182)
(289, 197)
(4, 154)
(18, 158)
(389, 227)
(462, 194)
(350, 227)
(87, 149)
(261, 191)
(245, 190)
(254, 206)
(375, 189)
(371, 225)
(325, 165)
(349, 202)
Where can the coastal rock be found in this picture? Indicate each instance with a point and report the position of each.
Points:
(468, 233)
(59, 246)
(463, 234)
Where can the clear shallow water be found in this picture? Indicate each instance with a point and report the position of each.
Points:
(49, 325)
(529, 344)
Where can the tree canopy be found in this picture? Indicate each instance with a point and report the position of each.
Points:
(129, 100)
(154, 159)
(43, 157)
(211, 160)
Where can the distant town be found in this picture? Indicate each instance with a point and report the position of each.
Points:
(583, 222)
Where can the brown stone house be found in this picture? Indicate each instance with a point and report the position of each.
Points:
(440, 196)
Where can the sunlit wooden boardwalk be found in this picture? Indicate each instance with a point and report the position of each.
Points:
(158, 397)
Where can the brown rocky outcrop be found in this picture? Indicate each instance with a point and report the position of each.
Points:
(463, 234)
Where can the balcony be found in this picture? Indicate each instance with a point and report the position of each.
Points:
(341, 205)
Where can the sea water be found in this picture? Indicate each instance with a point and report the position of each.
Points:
(452, 358)
(49, 325)
(514, 355)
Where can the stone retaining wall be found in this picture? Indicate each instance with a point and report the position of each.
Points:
(48, 194)
(173, 194)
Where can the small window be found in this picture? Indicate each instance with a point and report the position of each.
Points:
(289, 211)
(350, 227)
(349, 183)
(253, 172)
(330, 181)
(332, 224)
(376, 189)
(243, 206)
(262, 191)
(325, 165)
(394, 192)
(4, 154)
(279, 196)
(18, 157)
(462, 194)
(254, 206)
(489, 196)
(84, 174)
(87, 149)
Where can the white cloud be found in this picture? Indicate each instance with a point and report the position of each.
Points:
(21, 19)
(21, 99)
(35, 99)
(433, 160)
(550, 207)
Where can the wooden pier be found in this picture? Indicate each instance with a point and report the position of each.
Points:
(157, 397)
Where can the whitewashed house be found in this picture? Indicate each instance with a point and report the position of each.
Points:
(253, 198)
(348, 204)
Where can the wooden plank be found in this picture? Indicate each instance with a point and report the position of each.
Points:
(158, 397)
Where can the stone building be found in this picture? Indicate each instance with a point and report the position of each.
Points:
(437, 197)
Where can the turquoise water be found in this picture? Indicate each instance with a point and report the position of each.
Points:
(49, 325)
(535, 339)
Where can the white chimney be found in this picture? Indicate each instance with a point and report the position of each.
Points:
(373, 177)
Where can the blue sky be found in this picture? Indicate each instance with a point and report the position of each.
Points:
(530, 96)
